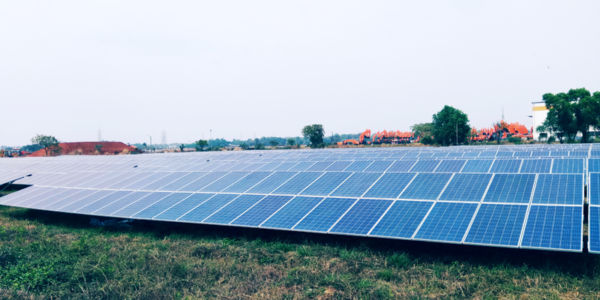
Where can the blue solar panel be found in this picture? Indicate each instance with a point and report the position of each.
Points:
(477, 166)
(358, 166)
(233, 209)
(466, 187)
(93, 206)
(183, 181)
(450, 166)
(536, 165)
(390, 185)
(594, 229)
(302, 166)
(320, 166)
(262, 210)
(559, 189)
(594, 165)
(426, 186)
(447, 222)
(506, 166)
(427, 165)
(362, 216)
(186, 205)
(510, 188)
(117, 204)
(136, 206)
(594, 189)
(568, 165)
(325, 215)
(497, 224)
(402, 219)
(247, 182)
(298, 183)
(83, 201)
(356, 185)
(203, 181)
(401, 166)
(326, 183)
(292, 212)
(556, 227)
(207, 207)
(160, 206)
(338, 166)
(65, 198)
(224, 182)
(272, 182)
(378, 166)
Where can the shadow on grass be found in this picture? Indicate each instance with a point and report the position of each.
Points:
(575, 264)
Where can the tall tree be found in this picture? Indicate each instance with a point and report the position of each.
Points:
(450, 126)
(572, 112)
(424, 131)
(200, 144)
(48, 142)
(314, 133)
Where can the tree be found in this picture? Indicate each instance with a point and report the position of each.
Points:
(450, 126)
(98, 148)
(200, 144)
(572, 112)
(314, 133)
(291, 142)
(273, 143)
(424, 131)
(48, 142)
(181, 147)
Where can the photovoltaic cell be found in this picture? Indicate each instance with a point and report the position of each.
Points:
(356, 184)
(362, 216)
(390, 185)
(567, 165)
(358, 166)
(117, 204)
(235, 208)
(174, 212)
(426, 186)
(506, 166)
(160, 206)
(378, 166)
(537, 165)
(447, 221)
(594, 229)
(338, 166)
(594, 165)
(466, 187)
(224, 182)
(93, 206)
(594, 189)
(401, 166)
(207, 208)
(247, 182)
(298, 183)
(326, 183)
(425, 165)
(510, 188)
(292, 212)
(262, 210)
(136, 206)
(559, 189)
(203, 181)
(320, 166)
(557, 227)
(402, 219)
(497, 224)
(270, 183)
(477, 166)
(450, 166)
(325, 215)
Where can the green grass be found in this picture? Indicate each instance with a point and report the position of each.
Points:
(47, 255)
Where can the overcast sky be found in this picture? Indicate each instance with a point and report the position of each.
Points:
(245, 69)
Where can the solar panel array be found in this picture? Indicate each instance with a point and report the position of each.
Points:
(518, 196)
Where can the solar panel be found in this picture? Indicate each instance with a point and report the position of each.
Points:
(447, 222)
(594, 189)
(497, 224)
(556, 227)
(531, 194)
(559, 189)
(466, 187)
(510, 188)
(594, 229)
(426, 186)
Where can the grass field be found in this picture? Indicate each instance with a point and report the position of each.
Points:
(50, 255)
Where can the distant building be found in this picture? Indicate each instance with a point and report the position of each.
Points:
(540, 111)
(87, 148)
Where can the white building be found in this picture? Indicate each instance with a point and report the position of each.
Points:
(540, 111)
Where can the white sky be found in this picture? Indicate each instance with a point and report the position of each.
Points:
(245, 69)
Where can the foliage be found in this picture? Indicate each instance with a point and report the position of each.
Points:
(273, 143)
(291, 142)
(48, 142)
(49, 256)
(425, 131)
(572, 112)
(314, 133)
(201, 144)
(450, 126)
(98, 148)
